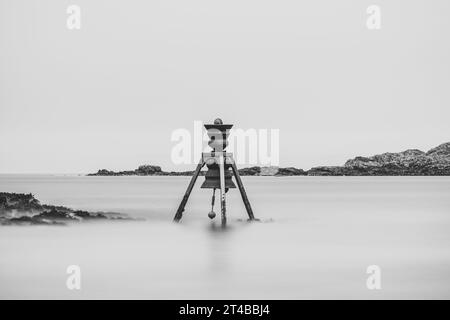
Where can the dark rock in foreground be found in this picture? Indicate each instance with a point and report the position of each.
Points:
(26, 220)
(25, 209)
(55, 215)
(19, 202)
(89, 215)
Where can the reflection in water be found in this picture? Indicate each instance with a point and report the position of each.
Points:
(219, 248)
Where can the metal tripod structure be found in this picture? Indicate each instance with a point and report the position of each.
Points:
(221, 158)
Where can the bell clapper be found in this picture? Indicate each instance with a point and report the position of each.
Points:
(212, 214)
(222, 190)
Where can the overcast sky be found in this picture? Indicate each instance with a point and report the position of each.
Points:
(110, 94)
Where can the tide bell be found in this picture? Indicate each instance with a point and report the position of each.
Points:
(218, 134)
(221, 168)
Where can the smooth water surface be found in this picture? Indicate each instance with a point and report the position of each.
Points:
(316, 239)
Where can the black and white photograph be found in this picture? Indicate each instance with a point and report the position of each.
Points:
(210, 150)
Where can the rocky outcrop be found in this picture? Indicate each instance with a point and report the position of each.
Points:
(291, 171)
(89, 215)
(147, 170)
(55, 215)
(327, 171)
(412, 162)
(19, 202)
(150, 170)
(252, 171)
(271, 171)
(144, 170)
(26, 220)
(25, 209)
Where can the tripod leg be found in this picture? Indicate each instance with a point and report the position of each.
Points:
(242, 191)
(180, 210)
(222, 191)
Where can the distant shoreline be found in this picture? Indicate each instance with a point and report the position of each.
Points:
(411, 162)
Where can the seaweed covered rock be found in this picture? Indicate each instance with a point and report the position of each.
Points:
(24, 209)
(20, 202)
(55, 215)
(88, 215)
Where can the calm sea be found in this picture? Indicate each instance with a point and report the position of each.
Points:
(316, 239)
